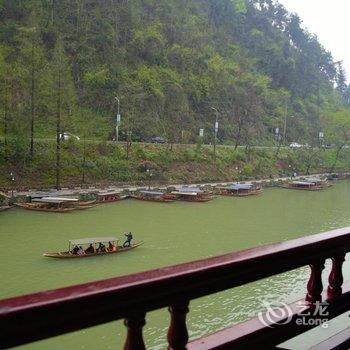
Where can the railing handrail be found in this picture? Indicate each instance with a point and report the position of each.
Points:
(72, 308)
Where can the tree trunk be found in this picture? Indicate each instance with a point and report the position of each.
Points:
(84, 161)
(336, 158)
(5, 130)
(32, 105)
(238, 136)
(58, 132)
(128, 145)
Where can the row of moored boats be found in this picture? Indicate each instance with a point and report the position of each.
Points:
(50, 203)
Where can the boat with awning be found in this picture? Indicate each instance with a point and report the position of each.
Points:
(153, 196)
(88, 247)
(57, 204)
(303, 185)
(240, 190)
(192, 194)
(110, 196)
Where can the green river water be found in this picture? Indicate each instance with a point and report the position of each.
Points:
(173, 233)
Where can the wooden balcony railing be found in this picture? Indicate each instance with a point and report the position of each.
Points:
(42, 315)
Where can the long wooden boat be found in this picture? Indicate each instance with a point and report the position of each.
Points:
(154, 196)
(240, 190)
(192, 194)
(57, 204)
(303, 185)
(110, 196)
(36, 207)
(69, 255)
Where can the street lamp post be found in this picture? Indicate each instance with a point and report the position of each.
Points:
(285, 128)
(118, 119)
(216, 128)
(320, 138)
(13, 183)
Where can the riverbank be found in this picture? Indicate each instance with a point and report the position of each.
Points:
(91, 191)
(106, 164)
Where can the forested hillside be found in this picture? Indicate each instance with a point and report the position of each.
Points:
(171, 63)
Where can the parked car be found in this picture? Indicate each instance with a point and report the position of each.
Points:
(295, 145)
(65, 136)
(157, 139)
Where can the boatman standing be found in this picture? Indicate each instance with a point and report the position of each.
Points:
(129, 237)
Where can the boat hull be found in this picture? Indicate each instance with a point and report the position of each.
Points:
(68, 255)
(161, 200)
(313, 188)
(28, 206)
(242, 194)
(196, 200)
(111, 200)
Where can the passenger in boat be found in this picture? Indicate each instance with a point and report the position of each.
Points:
(81, 251)
(129, 237)
(111, 247)
(90, 249)
(101, 248)
(75, 250)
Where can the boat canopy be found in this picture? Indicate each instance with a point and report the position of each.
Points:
(41, 195)
(240, 186)
(185, 193)
(92, 240)
(109, 193)
(190, 189)
(302, 183)
(55, 200)
(152, 193)
(314, 180)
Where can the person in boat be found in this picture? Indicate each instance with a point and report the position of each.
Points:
(90, 249)
(101, 248)
(75, 250)
(111, 247)
(129, 237)
(81, 251)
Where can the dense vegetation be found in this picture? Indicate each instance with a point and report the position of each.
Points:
(102, 164)
(175, 66)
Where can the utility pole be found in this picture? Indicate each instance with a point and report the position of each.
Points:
(58, 132)
(216, 128)
(285, 123)
(118, 119)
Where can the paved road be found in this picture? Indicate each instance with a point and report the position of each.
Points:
(38, 140)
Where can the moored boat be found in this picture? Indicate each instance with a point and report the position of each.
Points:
(57, 204)
(192, 194)
(303, 185)
(240, 190)
(111, 241)
(43, 207)
(154, 196)
(110, 196)
(319, 182)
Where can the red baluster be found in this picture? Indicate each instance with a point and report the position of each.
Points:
(134, 339)
(314, 286)
(336, 277)
(177, 333)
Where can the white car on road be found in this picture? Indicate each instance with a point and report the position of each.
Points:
(65, 136)
(295, 145)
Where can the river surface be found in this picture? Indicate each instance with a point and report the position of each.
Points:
(173, 233)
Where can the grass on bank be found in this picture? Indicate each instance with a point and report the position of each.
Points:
(104, 163)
